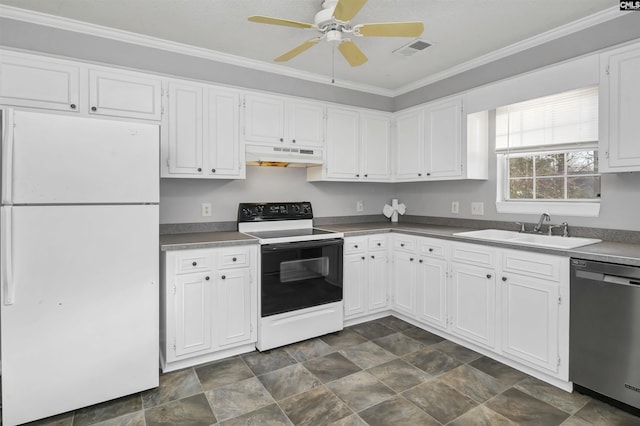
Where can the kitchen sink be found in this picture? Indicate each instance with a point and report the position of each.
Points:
(538, 240)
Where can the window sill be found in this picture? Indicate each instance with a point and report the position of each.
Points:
(583, 209)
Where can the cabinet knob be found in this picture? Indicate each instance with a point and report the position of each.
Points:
(94, 108)
(281, 140)
(199, 169)
(373, 257)
(366, 175)
(234, 259)
(73, 106)
(224, 277)
(207, 278)
(356, 246)
(358, 175)
(504, 278)
(420, 261)
(401, 244)
(213, 170)
(488, 275)
(379, 244)
(419, 174)
(293, 140)
(428, 174)
(411, 259)
(194, 264)
(362, 258)
(430, 250)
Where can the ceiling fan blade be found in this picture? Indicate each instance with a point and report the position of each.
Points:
(346, 9)
(352, 53)
(297, 50)
(277, 21)
(390, 29)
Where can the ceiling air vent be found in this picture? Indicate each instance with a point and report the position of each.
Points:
(412, 48)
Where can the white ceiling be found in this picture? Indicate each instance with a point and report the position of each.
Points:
(461, 31)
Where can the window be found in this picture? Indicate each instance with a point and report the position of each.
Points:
(547, 153)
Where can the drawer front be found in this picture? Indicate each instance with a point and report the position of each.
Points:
(354, 245)
(432, 247)
(473, 254)
(534, 265)
(194, 261)
(404, 243)
(378, 242)
(236, 257)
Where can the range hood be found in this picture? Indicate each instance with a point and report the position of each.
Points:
(258, 155)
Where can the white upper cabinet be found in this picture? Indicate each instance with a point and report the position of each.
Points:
(408, 148)
(185, 154)
(125, 94)
(375, 134)
(619, 97)
(343, 144)
(443, 139)
(39, 82)
(222, 146)
(276, 121)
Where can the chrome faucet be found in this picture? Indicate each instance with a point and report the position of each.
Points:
(543, 217)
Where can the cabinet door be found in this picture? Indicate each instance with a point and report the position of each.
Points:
(234, 308)
(222, 141)
(431, 287)
(375, 134)
(404, 282)
(377, 272)
(619, 110)
(530, 321)
(343, 144)
(305, 124)
(39, 83)
(185, 129)
(123, 94)
(472, 305)
(355, 282)
(443, 139)
(193, 313)
(264, 119)
(409, 141)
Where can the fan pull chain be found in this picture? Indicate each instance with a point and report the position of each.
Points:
(333, 64)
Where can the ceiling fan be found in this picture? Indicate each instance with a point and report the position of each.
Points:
(334, 21)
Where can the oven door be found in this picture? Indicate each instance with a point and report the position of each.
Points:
(300, 275)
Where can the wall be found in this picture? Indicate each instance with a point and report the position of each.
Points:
(180, 199)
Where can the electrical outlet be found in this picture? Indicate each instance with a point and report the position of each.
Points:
(455, 207)
(206, 209)
(477, 208)
(360, 206)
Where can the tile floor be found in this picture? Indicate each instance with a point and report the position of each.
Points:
(383, 372)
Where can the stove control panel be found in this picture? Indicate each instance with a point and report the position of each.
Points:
(251, 212)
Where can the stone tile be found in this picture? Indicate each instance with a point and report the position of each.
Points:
(309, 349)
(599, 413)
(239, 398)
(131, 419)
(394, 323)
(460, 353)
(507, 375)
(422, 336)
(397, 411)
(173, 386)
(331, 367)
(360, 390)
(525, 409)
(271, 415)
(191, 411)
(264, 362)
(367, 355)
(64, 419)
(315, 407)
(108, 410)
(473, 383)
(568, 402)
(398, 344)
(439, 400)
(481, 416)
(372, 330)
(288, 381)
(432, 361)
(399, 375)
(353, 420)
(344, 339)
(222, 373)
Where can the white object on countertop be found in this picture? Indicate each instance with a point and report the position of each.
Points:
(393, 209)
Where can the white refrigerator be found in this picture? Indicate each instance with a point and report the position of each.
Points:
(79, 251)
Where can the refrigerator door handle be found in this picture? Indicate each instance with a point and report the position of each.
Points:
(8, 125)
(8, 285)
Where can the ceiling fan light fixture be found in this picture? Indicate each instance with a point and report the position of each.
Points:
(334, 36)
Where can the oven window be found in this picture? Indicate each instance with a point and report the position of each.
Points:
(300, 275)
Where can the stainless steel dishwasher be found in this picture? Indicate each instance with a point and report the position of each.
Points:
(605, 331)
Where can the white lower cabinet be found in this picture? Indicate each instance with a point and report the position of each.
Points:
(405, 272)
(431, 282)
(208, 305)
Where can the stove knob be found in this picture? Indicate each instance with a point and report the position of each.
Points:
(296, 208)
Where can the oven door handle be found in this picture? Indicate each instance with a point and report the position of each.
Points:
(302, 244)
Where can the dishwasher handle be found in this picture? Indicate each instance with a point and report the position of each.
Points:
(621, 280)
(607, 278)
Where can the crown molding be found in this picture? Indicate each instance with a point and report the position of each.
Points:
(556, 33)
(67, 24)
(157, 43)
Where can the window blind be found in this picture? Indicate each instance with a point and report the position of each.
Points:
(562, 121)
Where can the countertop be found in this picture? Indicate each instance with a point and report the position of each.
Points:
(623, 253)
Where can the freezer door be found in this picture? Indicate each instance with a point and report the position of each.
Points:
(82, 327)
(56, 159)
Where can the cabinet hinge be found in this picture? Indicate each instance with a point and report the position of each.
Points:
(462, 167)
(558, 362)
(606, 154)
(174, 292)
(161, 110)
(607, 70)
(559, 300)
(174, 346)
